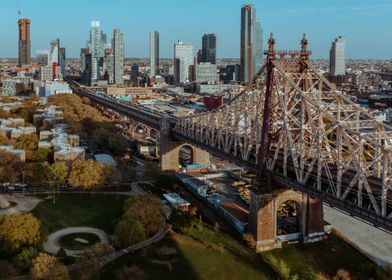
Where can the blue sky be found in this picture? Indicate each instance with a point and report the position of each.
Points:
(367, 24)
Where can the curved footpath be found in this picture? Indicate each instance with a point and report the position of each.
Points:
(23, 203)
(52, 245)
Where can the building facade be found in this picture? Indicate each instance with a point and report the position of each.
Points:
(118, 56)
(183, 62)
(251, 55)
(206, 73)
(96, 47)
(154, 53)
(209, 48)
(259, 47)
(24, 42)
(108, 66)
(337, 57)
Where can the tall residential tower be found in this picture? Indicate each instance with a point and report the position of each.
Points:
(24, 42)
(337, 59)
(251, 44)
(96, 47)
(118, 51)
(154, 53)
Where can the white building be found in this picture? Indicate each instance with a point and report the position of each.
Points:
(52, 88)
(206, 73)
(154, 53)
(183, 62)
(46, 73)
(337, 58)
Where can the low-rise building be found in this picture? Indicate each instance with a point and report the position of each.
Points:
(206, 73)
(50, 88)
(177, 201)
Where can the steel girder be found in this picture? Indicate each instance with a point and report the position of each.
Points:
(317, 136)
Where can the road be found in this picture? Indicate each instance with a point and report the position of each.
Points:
(371, 241)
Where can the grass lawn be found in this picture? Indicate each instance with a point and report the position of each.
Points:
(72, 210)
(201, 254)
(309, 261)
(69, 242)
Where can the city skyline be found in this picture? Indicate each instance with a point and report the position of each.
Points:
(355, 20)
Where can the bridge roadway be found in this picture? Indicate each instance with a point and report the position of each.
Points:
(153, 118)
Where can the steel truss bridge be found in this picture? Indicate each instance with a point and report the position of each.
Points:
(291, 123)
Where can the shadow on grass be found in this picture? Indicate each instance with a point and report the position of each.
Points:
(154, 264)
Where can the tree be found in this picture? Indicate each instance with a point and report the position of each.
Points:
(85, 174)
(151, 170)
(18, 231)
(41, 155)
(129, 231)
(108, 175)
(57, 174)
(37, 173)
(4, 140)
(166, 182)
(88, 264)
(47, 267)
(147, 209)
(25, 258)
(117, 144)
(26, 142)
(181, 221)
(10, 167)
(130, 273)
(342, 274)
(7, 270)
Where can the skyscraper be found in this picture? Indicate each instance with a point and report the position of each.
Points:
(96, 47)
(259, 46)
(24, 42)
(251, 39)
(118, 56)
(183, 62)
(337, 60)
(108, 66)
(154, 53)
(209, 48)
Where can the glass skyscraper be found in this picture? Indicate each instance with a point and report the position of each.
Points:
(337, 59)
(96, 47)
(154, 53)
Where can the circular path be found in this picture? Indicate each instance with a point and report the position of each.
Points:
(23, 204)
(52, 245)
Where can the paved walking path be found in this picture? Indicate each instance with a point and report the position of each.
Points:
(52, 244)
(23, 204)
(371, 241)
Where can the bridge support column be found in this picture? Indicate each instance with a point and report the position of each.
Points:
(169, 151)
(263, 218)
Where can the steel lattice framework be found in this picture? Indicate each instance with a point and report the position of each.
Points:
(293, 122)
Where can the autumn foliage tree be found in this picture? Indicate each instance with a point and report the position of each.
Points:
(85, 174)
(18, 231)
(47, 267)
(142, 218)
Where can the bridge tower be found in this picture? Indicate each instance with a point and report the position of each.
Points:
(270, 222)
(170, 149)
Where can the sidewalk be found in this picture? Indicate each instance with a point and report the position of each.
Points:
(372, 242)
